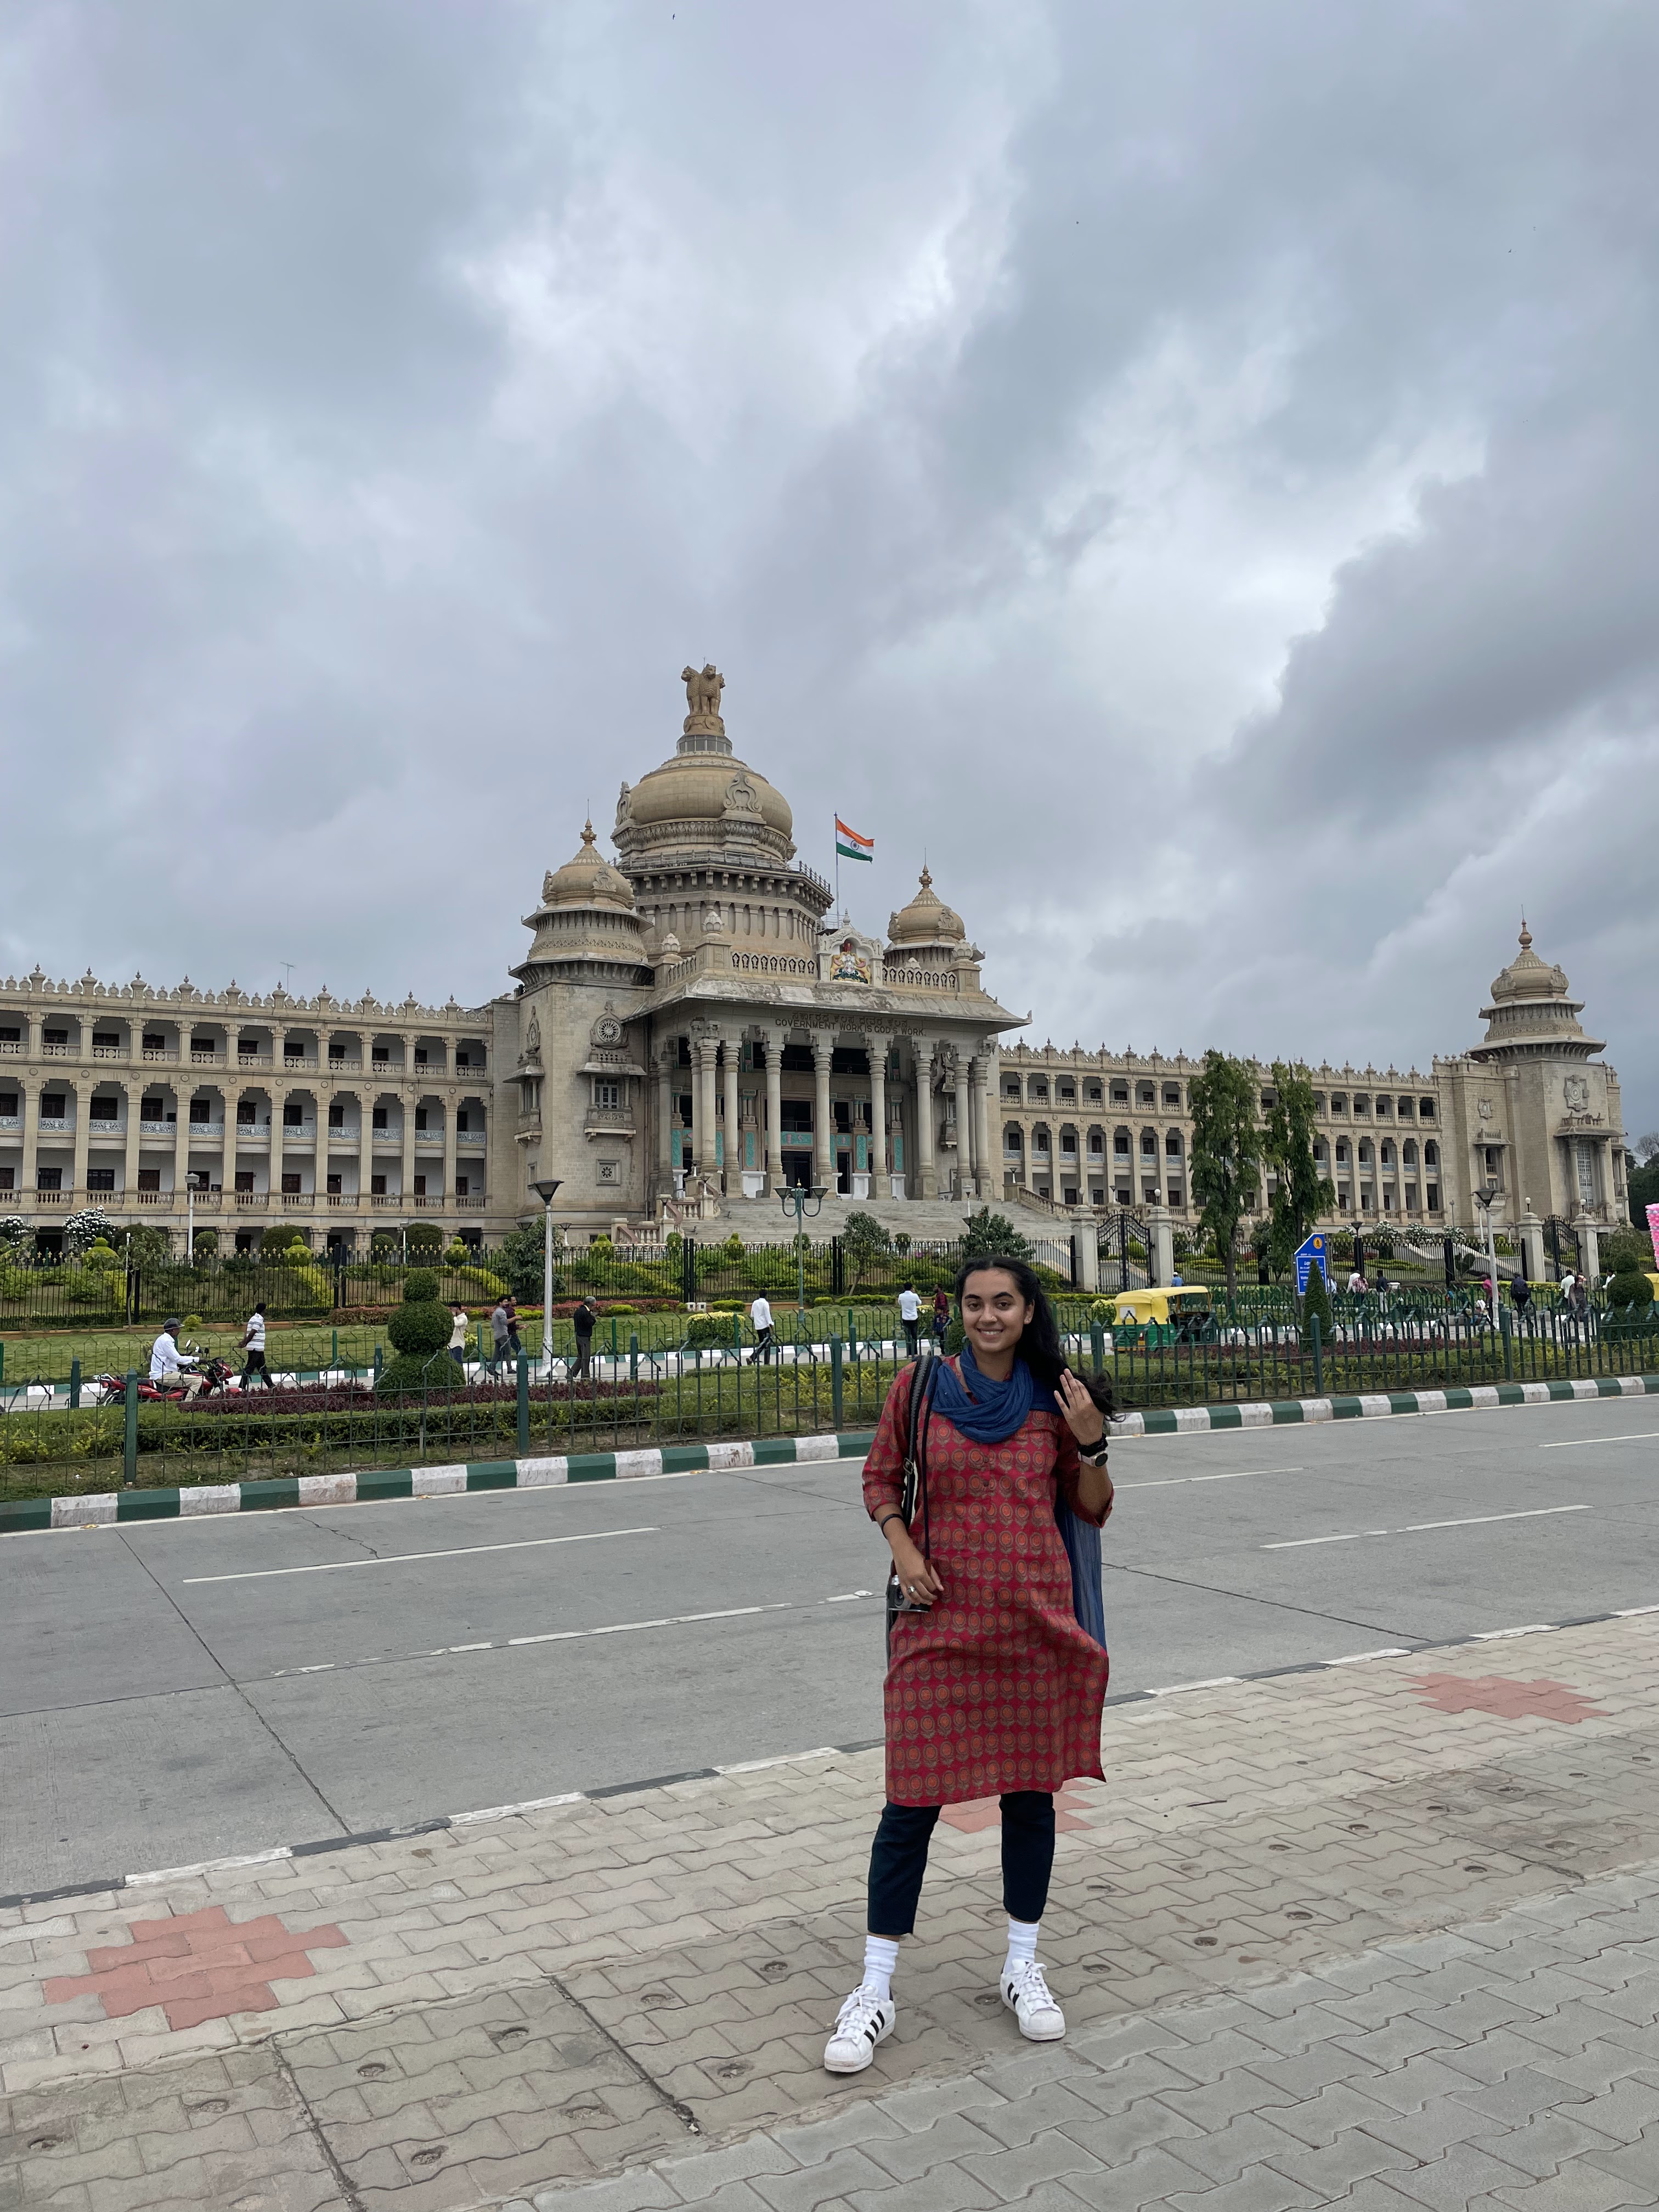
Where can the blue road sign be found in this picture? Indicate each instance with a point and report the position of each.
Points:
(1309, 1255)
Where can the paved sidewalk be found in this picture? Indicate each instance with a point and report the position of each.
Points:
(1383, 1936)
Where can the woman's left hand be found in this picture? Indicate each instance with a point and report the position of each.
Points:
(1083, 1416)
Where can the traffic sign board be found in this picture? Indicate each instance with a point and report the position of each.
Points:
(1310, 1255)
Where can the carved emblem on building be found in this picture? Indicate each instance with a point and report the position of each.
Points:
(1484, 1109)
(607, 1032)
(1576, 1092)
(848, 965)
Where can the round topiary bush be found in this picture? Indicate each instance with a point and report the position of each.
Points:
(425, 1237)
(1629, 1289)
(419, 1286)
(421, 1327)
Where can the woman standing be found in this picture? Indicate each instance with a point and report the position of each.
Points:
(993, 1688)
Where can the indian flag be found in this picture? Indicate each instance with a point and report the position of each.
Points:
(850, 846)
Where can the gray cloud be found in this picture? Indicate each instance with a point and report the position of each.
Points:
(1193, 476)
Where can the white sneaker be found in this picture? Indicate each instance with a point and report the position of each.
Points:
(863, 2021)
(1028, 1996)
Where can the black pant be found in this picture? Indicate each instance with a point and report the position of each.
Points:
(898, 1860)
(910, 1328)
(762, 1350)
(255, 1365)
(583, 1355)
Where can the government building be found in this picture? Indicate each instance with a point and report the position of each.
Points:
(692, 1034)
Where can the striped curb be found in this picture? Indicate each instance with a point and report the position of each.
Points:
(1191, 1420)
(320, 1846)
(315, 1490)
(27, 1514)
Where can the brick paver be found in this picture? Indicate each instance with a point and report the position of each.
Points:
(1320, 1939)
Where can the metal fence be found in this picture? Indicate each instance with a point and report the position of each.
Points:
(95, 1438)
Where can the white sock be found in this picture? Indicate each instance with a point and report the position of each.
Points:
(880, 1957)
(1021, 1944)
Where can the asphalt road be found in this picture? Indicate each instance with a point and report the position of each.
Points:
(180, 1691)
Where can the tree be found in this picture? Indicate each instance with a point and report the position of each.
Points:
(1303, 1193)
(519, 1258)
(1643, 1182)
(993, 1235)
(88, 1227)
(1227, 1151)
(864, 1240)
(1316, 1303)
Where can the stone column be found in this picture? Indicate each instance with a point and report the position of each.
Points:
(365, 1147)
(877, 1049)
(181, 1090)
(133, 1109)
(409, 1138)
(449, 1151)
(964, 1127)
(705, 1048)
(772, 1039)
(274, 1154)
(82, 1130)
(1589, 1247)
(985, 1161)
(1532, 1245)
(926, 1175)
(824, 1162)
(1088, 1255)
(668, 1060)
(28, 1097)
(731, 1053)
(1162, 1251)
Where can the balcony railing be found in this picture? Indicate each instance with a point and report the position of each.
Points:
(344, 1063)
(157, 1129)
(54, 1052)
(470, 1140)
(254, 1059)
(11, 1121)
(207, 1133)
(54, 1125)
(10, 1049)
(252, 1199)
(206, 1056)
(102, 1131)
(154, 1053)
(109, 1052)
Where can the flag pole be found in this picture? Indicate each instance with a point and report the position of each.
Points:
(835, 839)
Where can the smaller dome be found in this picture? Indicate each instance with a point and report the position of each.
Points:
(1527, 977)
(925, 920)
(587, 879)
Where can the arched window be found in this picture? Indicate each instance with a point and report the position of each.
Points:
(1408, 1151)
(1387, 1153)
(1149, 1143)
(1172, 1144)
(1013, 1142)
(1431, 1154)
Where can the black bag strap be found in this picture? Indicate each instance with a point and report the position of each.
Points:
(915, 1493)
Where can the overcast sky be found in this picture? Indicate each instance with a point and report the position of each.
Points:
(1194, 470)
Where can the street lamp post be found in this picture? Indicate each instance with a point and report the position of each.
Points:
(794, 1196)
(1484, 1200)
(545, 1190)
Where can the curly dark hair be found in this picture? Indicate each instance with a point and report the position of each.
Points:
(1039, 1343)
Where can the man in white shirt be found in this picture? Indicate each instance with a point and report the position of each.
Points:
(760, 1315)
(166, 1370)
(909, 1306)
(253, 1347)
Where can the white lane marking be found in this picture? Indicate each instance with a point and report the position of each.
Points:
(1532, 1628)
(1236, 1474)
(1210, 1682)
(1571, 1444)
(847, 1596)
(1476, 1519)
(404, 1558)
(1417, 1527)
(1358, 1658)
(631, 1627)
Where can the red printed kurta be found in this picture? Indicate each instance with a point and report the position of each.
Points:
(997, 1687)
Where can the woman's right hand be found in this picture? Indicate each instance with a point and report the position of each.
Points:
(917, 1580)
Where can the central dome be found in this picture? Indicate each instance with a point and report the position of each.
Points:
(705, 781)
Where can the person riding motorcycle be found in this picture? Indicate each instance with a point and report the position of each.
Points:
(167, 1369)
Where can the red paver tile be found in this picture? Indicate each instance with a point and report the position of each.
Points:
(197, 1967)
(1505, 1697)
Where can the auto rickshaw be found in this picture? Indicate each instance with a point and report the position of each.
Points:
(1175, 1314)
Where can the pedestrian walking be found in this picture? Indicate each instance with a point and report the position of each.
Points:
(1520, 1297)
(458, 1338)
(909, 1308)
(582, 1322)
(501, 1329)
(992, 1689)
(254, 1351)
(760, 1320)
(941, 1317)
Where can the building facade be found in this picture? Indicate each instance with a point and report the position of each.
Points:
(690, 1038)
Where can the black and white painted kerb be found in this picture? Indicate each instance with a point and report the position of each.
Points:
(82, 1511)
